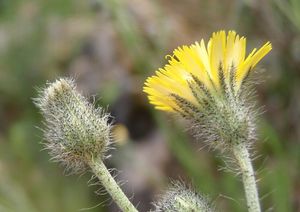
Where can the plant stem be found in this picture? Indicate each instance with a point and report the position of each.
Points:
(242, 156)
(111, 186)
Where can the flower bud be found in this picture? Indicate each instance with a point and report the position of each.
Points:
(179, 198)
(75, 131)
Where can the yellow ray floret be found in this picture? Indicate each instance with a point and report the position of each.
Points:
(222, 61)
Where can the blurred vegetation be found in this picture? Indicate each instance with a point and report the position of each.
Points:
(111, 47)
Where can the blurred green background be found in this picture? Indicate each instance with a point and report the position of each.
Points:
(110, 47)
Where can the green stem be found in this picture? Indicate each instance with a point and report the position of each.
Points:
(111, 186)
(242, 156)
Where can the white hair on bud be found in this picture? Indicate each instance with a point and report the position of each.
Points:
(75, 131)
(221, 120)
(179, 198)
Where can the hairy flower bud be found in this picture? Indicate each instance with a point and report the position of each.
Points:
(75, 131)
(226, 120)
(179, 198)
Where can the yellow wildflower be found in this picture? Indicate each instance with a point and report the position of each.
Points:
(194, 71)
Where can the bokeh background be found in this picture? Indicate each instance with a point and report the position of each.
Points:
(110, 47)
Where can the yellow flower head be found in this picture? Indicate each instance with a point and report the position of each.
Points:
(197, 71)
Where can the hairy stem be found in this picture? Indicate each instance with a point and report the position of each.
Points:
(242, 156)
(111, 186)
(182, 204)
